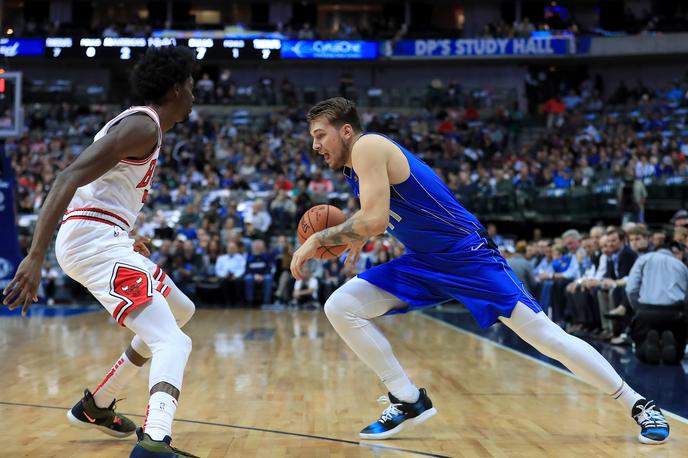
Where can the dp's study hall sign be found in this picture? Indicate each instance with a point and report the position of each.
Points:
(483, 47)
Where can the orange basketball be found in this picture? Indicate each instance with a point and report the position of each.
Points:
(315, 220)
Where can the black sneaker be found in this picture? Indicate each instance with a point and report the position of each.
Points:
(668, 345)
(654, 427)
(148, 448)
(86, 414)
(651, 345)
(394, 417)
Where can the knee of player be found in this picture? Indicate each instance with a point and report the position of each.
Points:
(185, 343)
(180, 342)
(335, 307)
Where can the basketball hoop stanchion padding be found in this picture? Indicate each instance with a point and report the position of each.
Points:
(10, 255)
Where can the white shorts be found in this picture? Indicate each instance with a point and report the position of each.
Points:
(101, 257)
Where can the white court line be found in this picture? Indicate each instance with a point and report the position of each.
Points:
(535, 360)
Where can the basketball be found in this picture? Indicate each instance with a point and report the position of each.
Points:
(315, 220)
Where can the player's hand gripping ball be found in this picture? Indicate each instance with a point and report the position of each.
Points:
(315, 220)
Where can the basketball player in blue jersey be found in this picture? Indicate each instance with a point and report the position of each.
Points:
(448, 256)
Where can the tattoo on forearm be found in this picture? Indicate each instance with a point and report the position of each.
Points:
(351, 230)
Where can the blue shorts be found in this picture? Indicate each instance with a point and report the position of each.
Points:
(471, 272)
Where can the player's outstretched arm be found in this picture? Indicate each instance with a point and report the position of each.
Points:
(370, 161)
(133, 137)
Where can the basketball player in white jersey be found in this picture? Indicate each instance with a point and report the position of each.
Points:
(97, 199)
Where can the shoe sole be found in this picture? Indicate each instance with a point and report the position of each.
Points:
(648, 441)
(428, 414)
(83, 425)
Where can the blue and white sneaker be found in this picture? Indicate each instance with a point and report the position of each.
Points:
(398, 415)
(655, 429)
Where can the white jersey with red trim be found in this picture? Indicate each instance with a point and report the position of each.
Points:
(116, 197)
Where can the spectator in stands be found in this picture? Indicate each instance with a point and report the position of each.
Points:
(492, 233)
(639, 239)
(657, 239)
(258, 272)
(205, 88)
(260, 218)
(579, 300)
(285, 281)
(333, 277)
(283, 210)
(288, 93)
(522, 268)
(187, 265)
(680, 218)
(554, 108)
(266, 90)
(306, 32)
(611, 295)
(320, 187)
(680, 234)
(657, 289)
(305, 293)
(226, 87)
(230, 268)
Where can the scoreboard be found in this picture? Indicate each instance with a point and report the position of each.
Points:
(124, 48)
(112, 49)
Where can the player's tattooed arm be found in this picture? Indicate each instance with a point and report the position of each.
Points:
(355, 229)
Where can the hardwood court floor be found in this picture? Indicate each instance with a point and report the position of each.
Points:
(274, 384)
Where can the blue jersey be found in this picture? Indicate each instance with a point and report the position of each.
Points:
(424, 214)
(449, 255)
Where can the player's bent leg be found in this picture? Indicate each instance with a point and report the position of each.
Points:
(350, 309)
(170, 347)
(182, 308)
(587, 364)
(100, 404)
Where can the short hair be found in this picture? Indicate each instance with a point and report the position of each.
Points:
(618, 231)
(159, 70)
(638, 229)
(521, 247)
(571, 233)
(338, 111)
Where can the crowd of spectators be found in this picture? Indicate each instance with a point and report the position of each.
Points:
(230, 186)
(374, 25)
(614, 284)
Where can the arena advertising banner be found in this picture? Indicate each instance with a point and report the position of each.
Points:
(482, 47)
(331, 49)
(10, 255)
(16, 47)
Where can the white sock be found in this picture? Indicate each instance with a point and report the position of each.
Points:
(403, 390)
(120, 374)
(626, 396)
(159, 415)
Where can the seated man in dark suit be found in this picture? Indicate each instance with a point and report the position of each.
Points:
(657, 289)
(611, 293)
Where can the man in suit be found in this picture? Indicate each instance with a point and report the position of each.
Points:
(611, 292)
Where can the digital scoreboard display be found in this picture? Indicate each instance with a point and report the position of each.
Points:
(124, 48)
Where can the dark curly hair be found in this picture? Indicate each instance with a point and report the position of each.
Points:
(159, 70)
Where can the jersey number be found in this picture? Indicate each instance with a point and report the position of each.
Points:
(145, 181)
